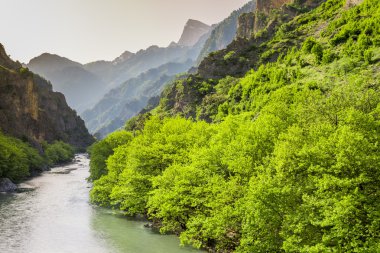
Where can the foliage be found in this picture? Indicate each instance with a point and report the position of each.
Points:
(58, 152)
(101, 150)
(290, 160)
(18, 159)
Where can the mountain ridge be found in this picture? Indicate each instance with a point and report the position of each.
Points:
(29, 109)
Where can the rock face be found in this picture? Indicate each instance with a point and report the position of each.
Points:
(260, 17)
(224, 32)
(350, 3)
(246, 25)
(255, 28)
(265, 6)
(30, 110)
(6, 185)
(257, 19)
(192, 32)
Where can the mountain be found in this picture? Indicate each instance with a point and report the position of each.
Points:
(81, 87)
(272, 146)
(125, 101)
(103, 120)
(192, 32)
(224, 32)
(84, 85)
(156, 66)
(30, 110)
(130, 65)
(250, 49)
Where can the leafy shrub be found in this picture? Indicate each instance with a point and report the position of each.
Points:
(18, 159)
(101, 150)
(59, 152)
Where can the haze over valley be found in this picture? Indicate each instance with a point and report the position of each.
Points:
(190, 126)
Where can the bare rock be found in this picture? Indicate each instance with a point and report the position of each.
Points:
(6, 185)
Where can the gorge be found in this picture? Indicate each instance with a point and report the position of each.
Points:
(258, 134)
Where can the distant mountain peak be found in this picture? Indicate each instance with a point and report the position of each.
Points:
(52, 60)
(173, 44)
(192, 32)
(123, 57)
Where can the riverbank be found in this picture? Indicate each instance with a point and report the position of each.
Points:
(8, 186)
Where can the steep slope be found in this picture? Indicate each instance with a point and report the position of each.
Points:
(131, 97)
(244, 53)
(29, 109)
(129, 65)
(153, 57)
(224, 32)
(81, 87)
(84, 85)
(127, 99)
(215, 38)
(290, 159)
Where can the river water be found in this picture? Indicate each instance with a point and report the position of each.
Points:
(57, 218)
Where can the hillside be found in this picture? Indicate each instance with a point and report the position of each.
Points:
(81, 87)
(84, 85)
(37, 127)
(272, 146)
(224, 32)
(129, 97)
(30, 110)
(107, 116)
(125, 101)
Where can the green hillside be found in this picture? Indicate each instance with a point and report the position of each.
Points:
(273, 146)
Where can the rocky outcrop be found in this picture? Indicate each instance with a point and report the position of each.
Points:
(350, 3)
(6, 185)
(244, 52)
(192, 32)
(252, 22)
(261, 17)
(224, 32)
(30, 110)
(246, 25)
(266, 6)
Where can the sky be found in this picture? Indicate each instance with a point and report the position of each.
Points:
(90, 30)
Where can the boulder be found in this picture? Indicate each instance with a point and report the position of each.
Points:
(6, 185)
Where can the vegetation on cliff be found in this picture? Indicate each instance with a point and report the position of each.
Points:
(288, 157)
(37, 127)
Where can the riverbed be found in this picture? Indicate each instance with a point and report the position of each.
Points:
(57, 217)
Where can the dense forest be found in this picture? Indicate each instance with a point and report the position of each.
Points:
(285, 158)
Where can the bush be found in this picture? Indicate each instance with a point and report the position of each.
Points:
(101, 150)
(18, 159)
(59, 152)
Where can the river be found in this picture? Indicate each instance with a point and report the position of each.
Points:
(57, 218)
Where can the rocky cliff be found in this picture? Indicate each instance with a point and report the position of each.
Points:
(30, 110)
(253, 22)
(265, 6)
(246, 25)
(192, 32)
(224, 33)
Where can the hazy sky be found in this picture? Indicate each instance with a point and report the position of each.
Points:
(88, 30)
